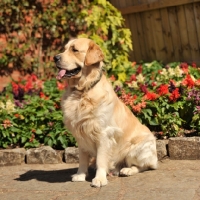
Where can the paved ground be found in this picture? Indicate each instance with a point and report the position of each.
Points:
(174, 180)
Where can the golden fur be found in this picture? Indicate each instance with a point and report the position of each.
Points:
(102, 125)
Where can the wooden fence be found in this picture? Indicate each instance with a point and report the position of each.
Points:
(165, 30)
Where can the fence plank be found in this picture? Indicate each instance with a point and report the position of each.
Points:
(141, 37)
(197, 21)
(167, 30)
(154, 5)
(157, 34)
(175, 32)
(149, 33)
(167, 35)
(191, 27)
(185, 50)
(135, 38)
(146, 18)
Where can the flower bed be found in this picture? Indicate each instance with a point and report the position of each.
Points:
(31, 114)
(165, 98)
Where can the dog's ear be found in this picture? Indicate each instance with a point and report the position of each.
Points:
(93, 55)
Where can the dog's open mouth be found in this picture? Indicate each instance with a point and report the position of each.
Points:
(68, 73)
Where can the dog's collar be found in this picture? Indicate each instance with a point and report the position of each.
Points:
(96, 81)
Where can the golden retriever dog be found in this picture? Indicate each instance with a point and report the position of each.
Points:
(103, 126)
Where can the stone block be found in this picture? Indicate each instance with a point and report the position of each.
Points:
(43, 155)
(71, 155)
(12, 156)
(184, 148)
(161, 146)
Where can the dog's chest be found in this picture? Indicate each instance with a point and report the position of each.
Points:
(82, 116)
(75, 107)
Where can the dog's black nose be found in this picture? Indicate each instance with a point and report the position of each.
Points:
(56, 58)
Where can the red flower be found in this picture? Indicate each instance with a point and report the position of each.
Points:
(60, 86)
(194, 65)
(56, 106)
(7, 123)
(151, 96)
(174, 95)
(17, 115)
(112, 78)
(28, 86)
(139, 69)
(188, 81)
(184, 67)
(137, 108)
(15, 87)
(128, 99)
(33, 77)
(133, 64)
(143, 88)
(163, 89)
(43, 96)
(197, 82)
(133, 78)
(153, 84)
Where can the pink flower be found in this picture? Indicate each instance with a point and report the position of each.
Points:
(7, 123)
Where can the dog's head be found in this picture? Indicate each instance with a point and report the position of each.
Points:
(78, 58)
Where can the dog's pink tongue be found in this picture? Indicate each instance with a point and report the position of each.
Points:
(61, 73)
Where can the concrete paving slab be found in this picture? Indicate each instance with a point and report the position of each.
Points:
(174, 180)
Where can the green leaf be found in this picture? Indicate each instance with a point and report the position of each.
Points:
(122, 76)
(38, 131)
(50, 142)
(32, 118)
(23, 139)
(15, 130)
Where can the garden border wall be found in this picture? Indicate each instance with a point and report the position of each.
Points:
(180, 148)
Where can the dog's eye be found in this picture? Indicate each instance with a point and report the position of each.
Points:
(74, 49)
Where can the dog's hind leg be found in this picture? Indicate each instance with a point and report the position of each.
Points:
(140, 158)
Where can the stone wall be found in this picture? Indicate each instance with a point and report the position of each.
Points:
(174, 148)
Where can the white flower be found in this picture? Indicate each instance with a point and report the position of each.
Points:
(2, 105)
(117, 83)
(164, 72)
(148, 64)
(171, 71)
(178, 71)
(133, 84)
(10, 107)
(194, 79)
(140, 78)
(178, 83)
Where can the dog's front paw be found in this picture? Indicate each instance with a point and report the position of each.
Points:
(99, 182)
(78, 177)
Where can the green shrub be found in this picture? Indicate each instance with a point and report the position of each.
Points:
(105, 25)
(31, 115)
(33, 31)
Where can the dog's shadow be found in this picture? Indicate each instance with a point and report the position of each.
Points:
(53, 176)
